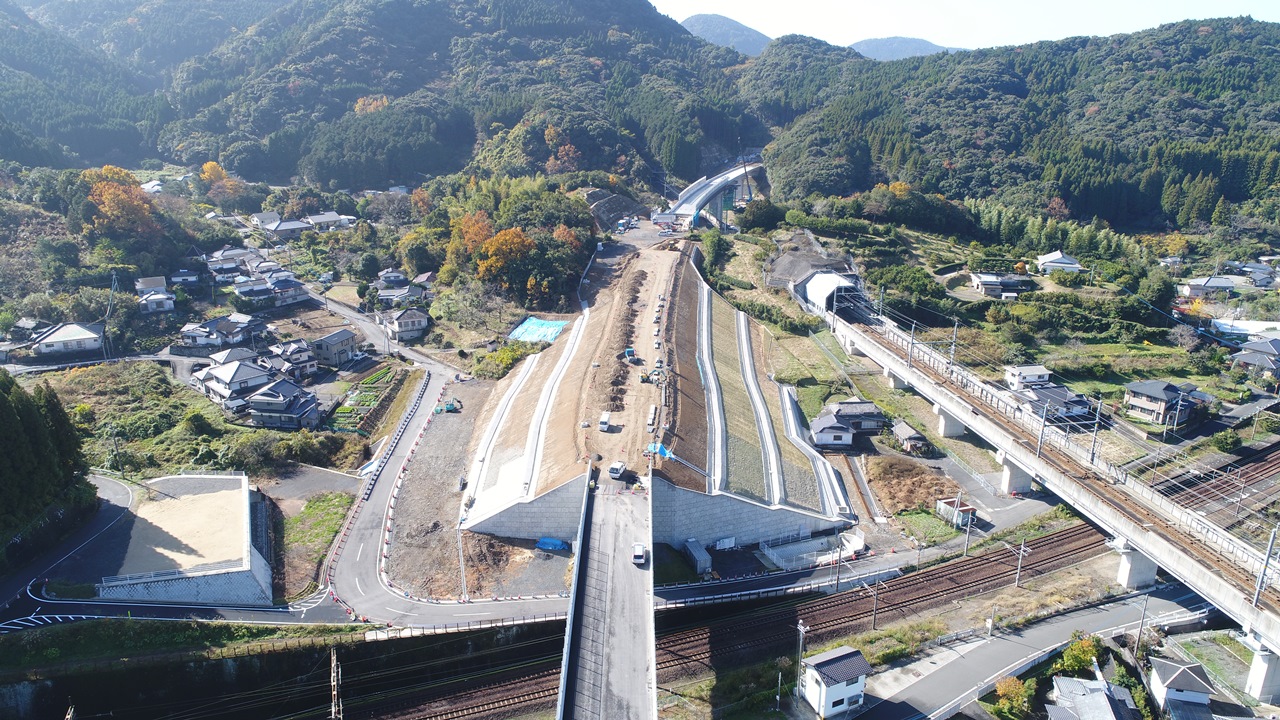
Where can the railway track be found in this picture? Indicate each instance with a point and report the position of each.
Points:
(1222, 498)
(1118, 500)
(493, 700)
(686, 651)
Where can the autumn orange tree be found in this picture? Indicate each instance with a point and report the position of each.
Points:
(504, 259)
(120, 207)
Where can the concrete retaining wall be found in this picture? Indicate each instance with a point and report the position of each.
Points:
(230, 587)
(680, 514)
(553, 514)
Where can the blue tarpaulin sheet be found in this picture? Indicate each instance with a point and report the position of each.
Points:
(538, 330)
(551, 544)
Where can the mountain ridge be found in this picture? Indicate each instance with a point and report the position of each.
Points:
(899, 48)
(727, 32)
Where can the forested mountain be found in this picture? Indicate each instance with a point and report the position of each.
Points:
(53, 89)
(359, 93)
(41, 465)
(1162, 126)
(898, 48)
(150, 35)
(727, 32)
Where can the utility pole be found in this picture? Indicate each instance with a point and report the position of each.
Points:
(1097, 422)
(1141, 624)
(1044, 422)
(800, 655)
(777, 695)
(968, 526)
(881, 313)
(991, 622)
(71, 713)
(911, 349)
(1266, 564)
(1240, 500)
(955, 333)
(335, 678)
(1021, 551)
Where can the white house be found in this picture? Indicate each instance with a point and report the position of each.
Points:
(833, 682)
(230, 385)
(839, 422)
(1200, 287)
(1056, 260)
(1018, 377)
(185, 277)
(145, 285)
(324, 221)
(405, 324)
(265, 219)
(1053, 402)
(68, 338)
(283, 404)
(152, 187)
(230, 330)
(1179, 681)
(156, 301)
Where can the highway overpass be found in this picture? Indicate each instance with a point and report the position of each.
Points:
(702, 191)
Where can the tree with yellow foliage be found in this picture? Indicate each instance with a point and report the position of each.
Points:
(503, 256)
(212, 173)
(108, 174)
(121, 210)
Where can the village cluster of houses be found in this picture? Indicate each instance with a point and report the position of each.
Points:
(266, 385)
(1007, 286)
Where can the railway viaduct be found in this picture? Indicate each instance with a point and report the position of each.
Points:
(1149, 530)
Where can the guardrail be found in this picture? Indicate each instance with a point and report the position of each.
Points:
(176, 573)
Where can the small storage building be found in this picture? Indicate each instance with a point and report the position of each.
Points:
(833, 682)
(698, 556)
(956, 512)
(908, 437)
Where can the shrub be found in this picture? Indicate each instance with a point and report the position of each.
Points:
(1226, 441)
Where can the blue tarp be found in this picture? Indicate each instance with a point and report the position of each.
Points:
(551, 544)
(536, 330)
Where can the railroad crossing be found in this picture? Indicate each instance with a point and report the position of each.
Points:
(1150, 531)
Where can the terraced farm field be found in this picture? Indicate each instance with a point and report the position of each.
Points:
(746, 466)
(798, 481)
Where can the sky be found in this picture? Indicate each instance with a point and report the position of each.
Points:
(962, 23)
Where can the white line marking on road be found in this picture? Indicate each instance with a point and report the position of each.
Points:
(358, 586)
(359, 552)
(467, 614)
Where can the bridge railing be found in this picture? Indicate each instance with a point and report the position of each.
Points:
(970, 386)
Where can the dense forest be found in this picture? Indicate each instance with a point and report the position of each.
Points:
(42, 468)
(1164, 128)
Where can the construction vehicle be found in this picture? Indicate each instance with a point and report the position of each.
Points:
(454, 405)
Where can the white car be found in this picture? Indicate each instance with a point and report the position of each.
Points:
(616, 469)
(657, 332)
(657, 344)
(639, 553)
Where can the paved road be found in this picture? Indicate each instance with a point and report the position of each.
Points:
(615, 644)
(357, 579)
(902, 694)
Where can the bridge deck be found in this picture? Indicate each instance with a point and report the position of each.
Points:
(611, 654)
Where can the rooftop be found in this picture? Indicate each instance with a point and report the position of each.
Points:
(839, 665)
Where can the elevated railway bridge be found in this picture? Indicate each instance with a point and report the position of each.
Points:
(1149, 529)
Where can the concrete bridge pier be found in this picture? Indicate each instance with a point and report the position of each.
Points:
(895, 381)
(1136, 570)
(1013, 479)
(948, 425)
(1263, 682)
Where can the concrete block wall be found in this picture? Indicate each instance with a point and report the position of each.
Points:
(553, 514)
(233, 587)
(680, 514)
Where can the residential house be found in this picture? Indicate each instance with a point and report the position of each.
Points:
(231, 384)
(1056, 260)
(26, 328)
(392, 277)
(834, 682)
(1076, 699)
(252, 288)
(1055, 403)
(426, 280)
(156, 301)
(185, 277)
(1000, 285)
(288, 229)
(66, 338)
(1019, 377)
(955, 511)
(152, 187)
(263, 220)
(908, 437)
(294, 359)
(1179, 681)
(1206, 286)
(287, 291)
(324, 221)
(230, 355)
(223, 270)
(145, 285)
(336, 348)
(406, 324)
(399, 296)
(229, 330)
(1172, 262)
(839, 422)
(282, 404)
(1160, 403)
(1260, 356)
